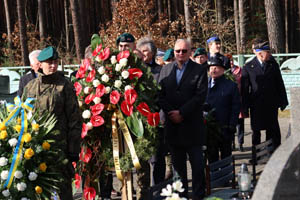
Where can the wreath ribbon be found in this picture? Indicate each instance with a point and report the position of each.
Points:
(117, 115)
(14, 110)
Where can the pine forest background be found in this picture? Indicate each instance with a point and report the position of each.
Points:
(26, 25)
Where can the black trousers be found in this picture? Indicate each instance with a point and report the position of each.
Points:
(224, 147)
(241, 130)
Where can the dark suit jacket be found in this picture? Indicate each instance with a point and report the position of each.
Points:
(188, 97)
(24, 80)
(263, 92)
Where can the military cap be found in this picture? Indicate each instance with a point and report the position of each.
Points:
(213, 39)
(125, 37)
(169, 54)
(48, 53)
(216, 61)
(264, 46)
(200, 51)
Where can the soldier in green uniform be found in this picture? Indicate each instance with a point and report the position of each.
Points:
(56, 94)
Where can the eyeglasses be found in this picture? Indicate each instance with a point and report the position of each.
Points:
(181, 50)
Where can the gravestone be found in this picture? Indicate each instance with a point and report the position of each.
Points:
(4, 84)
(280, 179)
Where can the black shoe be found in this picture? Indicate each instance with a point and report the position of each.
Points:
(241, 149)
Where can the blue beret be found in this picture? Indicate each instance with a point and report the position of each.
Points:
(48, 53)
(213, 39)
(262, 47)
(169, 54)
(200, 51)
(125, 37)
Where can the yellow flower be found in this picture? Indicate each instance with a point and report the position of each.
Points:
(27, 137)
(43, 167)
(28, 153)
(38, 189)
(18, 128)
(2, 126)
(35, 127)
(3, 135)
(19, 120)
(46, 146)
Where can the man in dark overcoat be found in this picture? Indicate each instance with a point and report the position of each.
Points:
(263, 92)
(183, 92)
(223, 96)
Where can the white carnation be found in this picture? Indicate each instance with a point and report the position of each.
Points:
(86, 114)
(97, 100)
(113, 60)
(89, 126)
(118, 67)
(105, 78)
(107, 90)
(118, 83)
(128, 87)
(24, 198)
(3, 161)
(123, 62)
(101, 70)
(80, 103)
(4, 174)
(32, 176)
(96, 82)
(87, 90)
(125, 74)
(21, 186)
(18, 174)
(6, 193)
(13, 142)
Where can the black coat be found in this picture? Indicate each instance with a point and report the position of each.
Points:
(224, 97)
(263, 92)
(188, 97)
(155, 69)
(24, 80)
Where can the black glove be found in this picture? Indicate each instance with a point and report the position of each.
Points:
(73, 157)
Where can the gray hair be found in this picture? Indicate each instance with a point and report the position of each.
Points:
(147, 41)
(34, 54)
(183, 41)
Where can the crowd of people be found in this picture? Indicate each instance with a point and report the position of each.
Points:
(193, 82)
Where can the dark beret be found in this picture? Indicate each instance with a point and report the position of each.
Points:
(169, 54)
(125, 37)
(200, 51)
(48, 53)
(216, 61)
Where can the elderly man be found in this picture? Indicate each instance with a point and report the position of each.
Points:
(263, 91)
(35, 65)
(183, 91)
(223, 96)
(214, 46)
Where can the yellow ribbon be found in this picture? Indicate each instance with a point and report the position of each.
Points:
(115, 142)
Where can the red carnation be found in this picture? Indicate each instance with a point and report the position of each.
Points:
(100, 90)
(114, 97)
(77, 181)
(135, 72)
(86, 63)
(104, 54)
(89, 98)
(89, 193)
(85, 156)
(84, 130)
(91, 76)
(97, 120)
(78, 88)
(127, 109)
(97, 50)
(130, 96)
(81, 72)
(97, 109)
(144, 109)
(123, 54)
(153, 119)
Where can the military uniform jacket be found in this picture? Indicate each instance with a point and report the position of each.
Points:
(263, 92)
(188, 97)
(56, 94)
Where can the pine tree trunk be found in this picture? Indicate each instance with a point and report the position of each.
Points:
(41, 11)
(8, 26)
(83, 23)
(77, 29)
(274, 24)
(22, 27)
(236, 24)
(187, 19)
(286, 24)
(67, 25)
(219, 9)
(242, 18)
